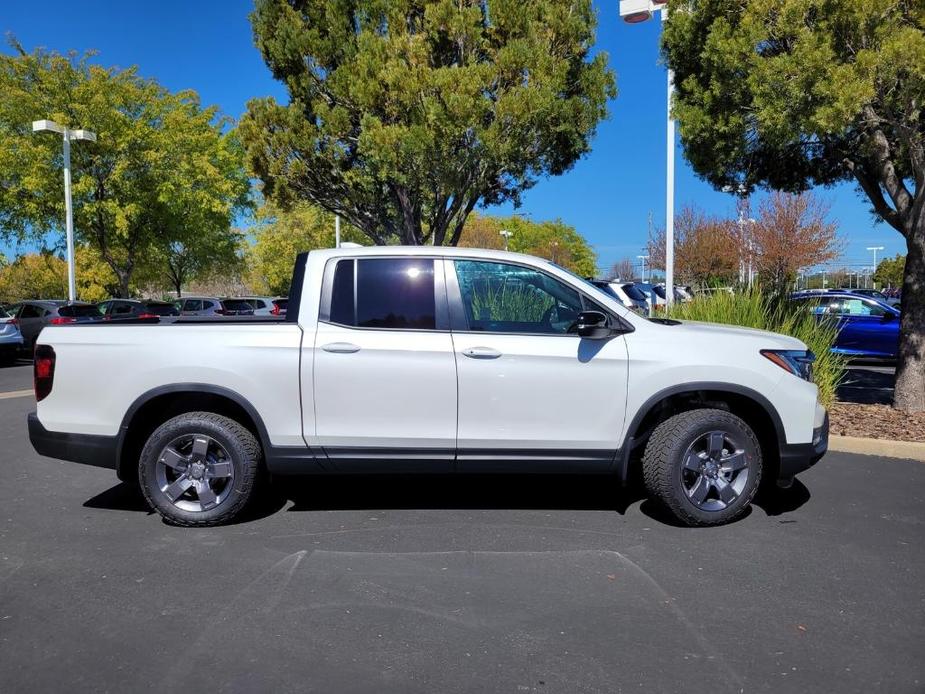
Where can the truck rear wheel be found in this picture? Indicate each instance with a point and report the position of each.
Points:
(199, 469)
(704, 466)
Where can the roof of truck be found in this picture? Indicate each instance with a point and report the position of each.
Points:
(431, 251)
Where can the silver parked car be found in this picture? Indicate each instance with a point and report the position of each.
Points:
(10, 337)
(33, 315)
(205, 306)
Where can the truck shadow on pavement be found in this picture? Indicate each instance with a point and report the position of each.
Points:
(459, 492)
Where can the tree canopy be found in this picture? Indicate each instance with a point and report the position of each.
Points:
(889, 272)
(553, 240)
(794, 93)
(161, 170)
(404, 115)
(280, 235)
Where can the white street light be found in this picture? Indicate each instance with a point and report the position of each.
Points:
(507, 235)
(636, 12)
(337, 231)
(67, 136)
(875, 249)
(643, 258)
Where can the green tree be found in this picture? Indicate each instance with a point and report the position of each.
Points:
(161, 168)
(555, 240)
(404, 115)
(793, 93)
(282, 234)
(889, 272)
(44, 276)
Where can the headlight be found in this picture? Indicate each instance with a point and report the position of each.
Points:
(796, 361)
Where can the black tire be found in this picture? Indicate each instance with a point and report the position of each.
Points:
(669, 482)
(237, 446)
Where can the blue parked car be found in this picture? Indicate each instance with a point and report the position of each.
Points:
(867, 327)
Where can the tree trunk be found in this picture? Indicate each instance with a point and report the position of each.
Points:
(909, 394)
(124, 278)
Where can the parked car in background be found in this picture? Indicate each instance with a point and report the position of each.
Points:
(279, 307)
(10, 337)
(874, 294)
(35, 315)
(650, 293)
(205, 306)
(115, 309)
(624, 292)
(867, 328)
(262, 305)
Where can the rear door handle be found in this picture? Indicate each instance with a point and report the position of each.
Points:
(341, 347)
(481, 353)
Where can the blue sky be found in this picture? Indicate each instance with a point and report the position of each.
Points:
(207, 46)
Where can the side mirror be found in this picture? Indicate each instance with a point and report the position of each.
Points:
(593, 325)
(889, 316)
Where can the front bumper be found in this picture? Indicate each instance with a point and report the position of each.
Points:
(88, 449)
(797, 457)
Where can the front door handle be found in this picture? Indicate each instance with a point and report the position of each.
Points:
(341, 347)
(481, 353)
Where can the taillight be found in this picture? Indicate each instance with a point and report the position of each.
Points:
(149, 315)
(43, 371)
(62, 320)
(13, 321)
(275, 310)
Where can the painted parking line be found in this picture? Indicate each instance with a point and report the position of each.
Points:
(16, 394)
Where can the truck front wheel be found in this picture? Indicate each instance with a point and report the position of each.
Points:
(199, 469)
(704, 466)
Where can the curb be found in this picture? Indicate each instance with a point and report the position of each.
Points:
(910, 450)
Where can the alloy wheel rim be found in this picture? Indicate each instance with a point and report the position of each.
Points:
(194, 473)
(714, 471)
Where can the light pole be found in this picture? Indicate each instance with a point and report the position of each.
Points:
(636, 12)
(643, 258)
(875, 249)
(67, 135)
(507, 235)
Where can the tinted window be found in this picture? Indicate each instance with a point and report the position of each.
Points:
(30, 311)
(192, 305)
(79, 311)
(393, 293)
(498, 297)
(119, 309)
(164, 309)
(632, 291)
(236, 305)
(342, 294)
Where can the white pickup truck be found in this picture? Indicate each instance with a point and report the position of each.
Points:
(432, 360)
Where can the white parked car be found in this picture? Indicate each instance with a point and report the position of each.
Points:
(625, 292)
(263, 305)
(425, 359)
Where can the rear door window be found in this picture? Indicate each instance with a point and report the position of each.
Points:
(387, 293)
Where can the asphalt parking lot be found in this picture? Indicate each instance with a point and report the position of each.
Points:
(458, 585)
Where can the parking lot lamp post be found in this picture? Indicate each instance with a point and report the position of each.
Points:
(337, 231)
(67, 134)
(643, 258)
(875, 249)
(636, 12)
(507, 235)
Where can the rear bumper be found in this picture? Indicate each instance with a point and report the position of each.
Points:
(87, 449)
(797, 457)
